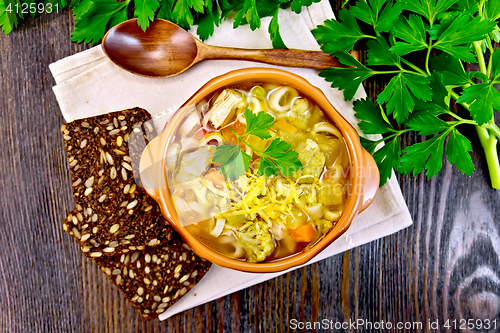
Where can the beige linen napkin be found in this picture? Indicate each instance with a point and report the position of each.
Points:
(88, 84)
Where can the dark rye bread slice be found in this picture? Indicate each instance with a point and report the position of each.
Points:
(113, 213)
(154, 279)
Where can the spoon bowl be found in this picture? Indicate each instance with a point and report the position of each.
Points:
(165, 49)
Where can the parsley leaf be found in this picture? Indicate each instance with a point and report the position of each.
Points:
(267, 168)
(426, 123)
(453, 73)
(397, 94)
(371, 12)
(207, 24)
(275, 32)
(482, 98)
(277, 157)
(182, 15)
(427, 154)
(165, 11)
(233, 161)
(91, 26)
(430, 9)
(279, 153)
(468, 6)
(440, 95)
(82, 7)
(197, 5)
(339, 35)
(460, 32)
(457, 151)
(249, 13)
(298, 4)
(348, 79)
(492, 10)
(8, 19)
(387, 157)
(379, 53)
(258, 124)
(371, 120)
(412, 31)
(145, 12)
(495, 65)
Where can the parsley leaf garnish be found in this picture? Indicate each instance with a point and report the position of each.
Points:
(234, 162)
(278, 156)
(258, 124)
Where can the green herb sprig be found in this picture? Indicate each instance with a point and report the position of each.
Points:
(447, 34)
(277, 157)
(94, 17)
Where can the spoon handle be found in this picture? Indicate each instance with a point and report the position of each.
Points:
(282, 57)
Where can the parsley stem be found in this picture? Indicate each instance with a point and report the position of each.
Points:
(490, 47)
(493, 128)
(429, 48)
(399, 71)
(489, 144)
(480, 57)
(409, 64)
(396, 133)
(455, 96)
(240, 138)
(387, 72)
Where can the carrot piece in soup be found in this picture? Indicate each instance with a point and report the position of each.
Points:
(229, 137)
(216, 178)
(284, 125)
(304, 233)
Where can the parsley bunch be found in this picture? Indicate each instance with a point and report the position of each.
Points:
(278, 156)
(446, 34)
(94, 17)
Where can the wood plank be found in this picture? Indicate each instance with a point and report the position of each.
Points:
(445, 266)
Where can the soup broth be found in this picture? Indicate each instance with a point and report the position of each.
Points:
(258, 216)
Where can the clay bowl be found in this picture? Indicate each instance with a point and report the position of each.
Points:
(364, 174)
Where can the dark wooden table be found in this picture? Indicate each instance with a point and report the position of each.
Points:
(444, 267)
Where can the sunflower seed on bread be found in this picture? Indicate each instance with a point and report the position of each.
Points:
(155, 278)
(113, 213)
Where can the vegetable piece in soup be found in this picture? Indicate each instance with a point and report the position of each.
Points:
(262, 175)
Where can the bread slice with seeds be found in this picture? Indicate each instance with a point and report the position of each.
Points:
(113, 213)
(155, 278)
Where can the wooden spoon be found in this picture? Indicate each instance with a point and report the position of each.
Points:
(165, 49)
